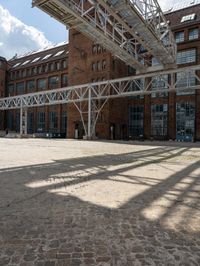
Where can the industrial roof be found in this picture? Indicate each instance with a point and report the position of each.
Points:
(40, 50)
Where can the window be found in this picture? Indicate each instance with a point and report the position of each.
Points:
(64, 80)
(24, 73)
(131, 70)
(41, 122)
(10, 120)
(59, 53)
(104, 64)
(57, 65)
(34, 70)
(159, 83)
(30, 85)
(154, 62)
(188, 18)
(94, 49)
(26, 62)
(16, 65)
(45, 68)
(99, 65)
(51, 67)
(137, 85)
(185, 121)
(20, 88)
(94, 66)
(185, 80)
(99, 49)
(136, 121)
(12, 75)
(53, 82)
(64, 122)
(179, 36)
(159, 113)
(10, 88)
(39, 69)
(193, 34)
(185, 57)
(41, 84)
(64, 64)
(35, 60)
(28, 72)
(17, 124)
(46, 56)
(18, 74)
(53, 122)
(30, 123)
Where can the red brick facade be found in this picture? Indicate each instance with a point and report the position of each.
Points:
(87, 62)
(3, 68)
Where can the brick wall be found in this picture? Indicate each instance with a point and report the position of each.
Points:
(3, 68)
(83, 53)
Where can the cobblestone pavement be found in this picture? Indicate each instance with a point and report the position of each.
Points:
(99, 203)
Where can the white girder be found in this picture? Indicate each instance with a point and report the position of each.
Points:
(122, 87)
(123, 27)
(90, 99)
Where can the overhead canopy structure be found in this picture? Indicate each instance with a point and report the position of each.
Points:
(89, 99)
(133, 30)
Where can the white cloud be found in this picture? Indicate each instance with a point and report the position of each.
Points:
(17, 37)
(166, 4)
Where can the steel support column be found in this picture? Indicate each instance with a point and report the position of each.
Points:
(23, 121)
(89, 114)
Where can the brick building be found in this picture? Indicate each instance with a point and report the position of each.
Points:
(174, 115)
(35, 71)
(3, 68)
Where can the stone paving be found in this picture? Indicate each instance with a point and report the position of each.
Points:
(65, 202)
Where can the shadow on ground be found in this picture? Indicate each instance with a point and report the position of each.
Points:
(137, 208)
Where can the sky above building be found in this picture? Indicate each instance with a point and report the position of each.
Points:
(23, 28)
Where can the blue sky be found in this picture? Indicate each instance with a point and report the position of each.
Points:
(53, 30)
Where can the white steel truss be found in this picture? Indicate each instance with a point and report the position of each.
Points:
(90, 98)
(133, 30)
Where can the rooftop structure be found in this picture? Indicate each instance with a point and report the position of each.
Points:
(125, 28)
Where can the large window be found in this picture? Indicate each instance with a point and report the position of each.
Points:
(30, 85)
(179, 36)
(159, 83)
(17, 126)
(53, 82)
(136, 121)
(64, 64)
(53, 122)
(185, 80)
(193, 34)
(185, 57)
(42, 84)
(64, 122)
(159, 114)
(64, 80)
(30, 123)
(10, 89)
(20, 87)
(41, 122)
(10, 120)
(185, 121)
(137, 85)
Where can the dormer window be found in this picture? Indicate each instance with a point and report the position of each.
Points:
(188, 18)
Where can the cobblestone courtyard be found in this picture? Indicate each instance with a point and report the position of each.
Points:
(65, 202)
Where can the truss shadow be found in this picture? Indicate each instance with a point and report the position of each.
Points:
(140, 207)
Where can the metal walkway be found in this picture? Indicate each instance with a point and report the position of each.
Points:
(132, 30)
(90, 98)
